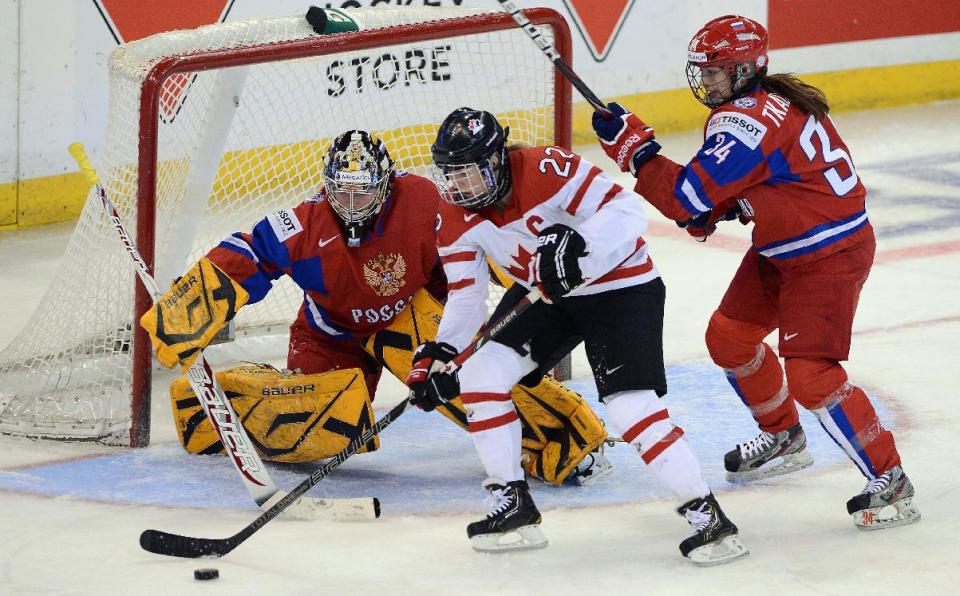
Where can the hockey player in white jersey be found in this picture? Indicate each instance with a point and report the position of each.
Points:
(553, 221)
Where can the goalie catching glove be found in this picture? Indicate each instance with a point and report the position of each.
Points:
(192, 312)
(431, 387)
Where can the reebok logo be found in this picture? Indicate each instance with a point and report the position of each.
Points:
(624, 150)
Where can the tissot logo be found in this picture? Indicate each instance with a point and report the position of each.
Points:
(599, 22)
(130, 20)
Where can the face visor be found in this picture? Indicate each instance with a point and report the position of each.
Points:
(472, 186)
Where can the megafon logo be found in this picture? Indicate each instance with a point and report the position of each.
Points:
(599, 22)
(130, 20)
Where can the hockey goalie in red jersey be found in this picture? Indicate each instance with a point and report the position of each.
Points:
(552, 221)
(771, 155)
(364, 253)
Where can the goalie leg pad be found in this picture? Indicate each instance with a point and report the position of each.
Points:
(560, 431)
(191, 313)
(289, 417)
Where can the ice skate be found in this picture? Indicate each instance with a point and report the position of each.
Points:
(885, 502)
(768, 455)
(591, 467)
(714, 540)
(513, 522)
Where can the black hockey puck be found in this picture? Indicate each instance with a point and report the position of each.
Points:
(317, 19)
(208, 573)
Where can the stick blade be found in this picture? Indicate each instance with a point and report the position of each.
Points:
(174, 545)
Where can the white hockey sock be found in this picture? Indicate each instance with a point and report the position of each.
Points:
(643, 421)
(499, 450)
(485, 383)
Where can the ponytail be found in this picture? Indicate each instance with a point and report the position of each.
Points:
(806, 97)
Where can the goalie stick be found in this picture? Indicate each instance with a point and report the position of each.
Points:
(510, 7)
(176, 545)
(216, 405)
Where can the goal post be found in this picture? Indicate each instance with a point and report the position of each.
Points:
(211, 129)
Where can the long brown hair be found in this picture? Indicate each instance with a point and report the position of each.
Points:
(806, 97)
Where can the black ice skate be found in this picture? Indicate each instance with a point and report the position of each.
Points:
(513, 522)
(591, 467)
(768, 455)
(885, 502)
(714, 540)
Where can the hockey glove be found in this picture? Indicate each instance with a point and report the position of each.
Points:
(189, 315)
(431, 387)
(559, 249)
(701, 226)
(625, 138)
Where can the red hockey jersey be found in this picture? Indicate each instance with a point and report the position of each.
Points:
(792, 174)
(550, 186)
(348, 292)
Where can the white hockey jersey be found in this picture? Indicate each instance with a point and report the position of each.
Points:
(550, 186)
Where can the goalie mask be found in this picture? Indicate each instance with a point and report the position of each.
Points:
(470, 156)
(726, 59)
(357, 175)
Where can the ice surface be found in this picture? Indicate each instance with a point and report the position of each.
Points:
(71, 514)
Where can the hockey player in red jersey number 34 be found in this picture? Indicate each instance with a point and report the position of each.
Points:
(554, 221)
(771, 155)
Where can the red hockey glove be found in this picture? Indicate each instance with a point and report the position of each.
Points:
(431, 386)
(625, 138)
(701, 226)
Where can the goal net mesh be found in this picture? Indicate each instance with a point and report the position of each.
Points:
(237, 138)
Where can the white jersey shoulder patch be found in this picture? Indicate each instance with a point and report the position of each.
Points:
(748, 130)
(285, 224)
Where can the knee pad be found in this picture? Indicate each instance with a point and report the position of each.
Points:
(733, 343)
(494, 368)
(638, 416)
(815, 383)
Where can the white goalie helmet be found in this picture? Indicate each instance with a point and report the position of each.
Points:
(357, 175)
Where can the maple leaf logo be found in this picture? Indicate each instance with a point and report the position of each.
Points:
(520, 268)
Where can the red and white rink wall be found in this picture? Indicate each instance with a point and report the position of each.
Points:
(863, 53)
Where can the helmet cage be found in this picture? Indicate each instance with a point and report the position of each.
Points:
(469, 185)
(357, 177)
(733, 45)
(741, 78)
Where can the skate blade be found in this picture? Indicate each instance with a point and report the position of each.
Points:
(523, 538)
(722, 551)
(901, 513)
(788, 464)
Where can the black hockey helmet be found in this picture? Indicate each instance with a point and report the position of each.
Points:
(471, 159)
(357, 175)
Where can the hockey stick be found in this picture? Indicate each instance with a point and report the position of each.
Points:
(510, 7)
(176, 545)
(216, 405)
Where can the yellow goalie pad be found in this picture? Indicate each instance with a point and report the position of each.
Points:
(289, 417)
(191, 313)
(559, 428)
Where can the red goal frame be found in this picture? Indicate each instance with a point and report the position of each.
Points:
(151, 90)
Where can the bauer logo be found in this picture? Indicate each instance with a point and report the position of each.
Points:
(285, 224)
(741, 126)
(599, 23)
(129, 21)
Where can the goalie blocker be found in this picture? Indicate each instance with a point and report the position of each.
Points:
(300, 418)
